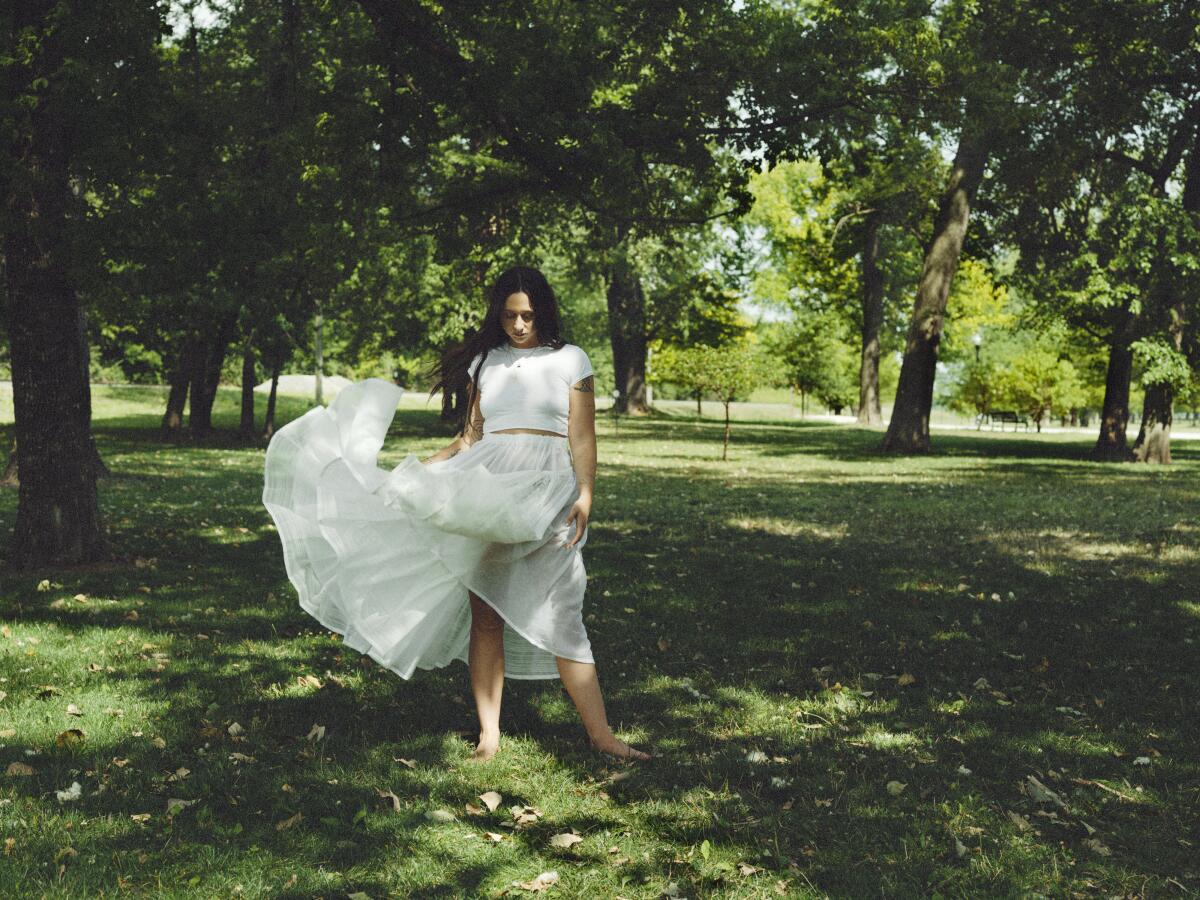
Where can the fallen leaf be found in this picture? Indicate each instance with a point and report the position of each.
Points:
(756, 757)
(18, 768)
(1020, 821)
(439, 815)
(1095, 845)
(8, 732)
(316, 733)
(906, 679)
(389, 795)
(309, 681)
(159, 743)
(565, 840)
(235, 729)
(145, 817)
(960, 849)
(747, 869)
(74, 792)
(242, 758)
(664, 645)
(174, 805)
(539, 884)
(896, 788)
(1042, 794)
(493, 837)
(491, 800)
(524, 816)
(288, 823)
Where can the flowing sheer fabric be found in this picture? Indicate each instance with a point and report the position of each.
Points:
(386, 557)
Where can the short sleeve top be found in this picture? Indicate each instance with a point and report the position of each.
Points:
(528, 388)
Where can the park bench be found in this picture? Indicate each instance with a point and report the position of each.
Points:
(1003, 417)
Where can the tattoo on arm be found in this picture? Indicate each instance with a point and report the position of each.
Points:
(587, 385)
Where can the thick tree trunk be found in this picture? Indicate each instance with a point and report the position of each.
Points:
(1153, 442)
(869, 410)
(908, 431)
(627, 331)
(249, 370)
(206, 376)
(181, 373)
(1111, 444)
(58, 517)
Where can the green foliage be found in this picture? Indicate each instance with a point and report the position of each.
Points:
(1022, 372)
(1161, 363)
(729, 372)
(812, 354)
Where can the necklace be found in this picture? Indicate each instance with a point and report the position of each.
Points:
(528, 351)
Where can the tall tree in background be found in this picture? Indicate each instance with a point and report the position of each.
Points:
(608, 114)
(64, 130)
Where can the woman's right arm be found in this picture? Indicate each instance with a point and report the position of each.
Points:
(471, 433)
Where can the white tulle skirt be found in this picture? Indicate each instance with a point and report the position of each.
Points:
(386, 558)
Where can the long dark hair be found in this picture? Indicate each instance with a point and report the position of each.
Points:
(456, 383)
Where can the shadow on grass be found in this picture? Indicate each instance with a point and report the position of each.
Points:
(1064, 585)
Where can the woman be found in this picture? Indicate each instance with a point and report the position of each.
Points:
(474, 554)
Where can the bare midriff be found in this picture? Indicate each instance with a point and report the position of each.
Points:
(527, 431)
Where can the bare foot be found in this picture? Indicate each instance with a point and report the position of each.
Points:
(618, 748)
(486, 748)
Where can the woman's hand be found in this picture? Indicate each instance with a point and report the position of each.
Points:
(579, 515)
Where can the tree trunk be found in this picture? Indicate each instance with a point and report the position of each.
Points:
(58, 517)
(172, 421)
(206, 376)
(869, 410)
(1153, 442)
(699, 404)
(269, 423)
(908, 431)
(246, 428)
(725, 448)
(1111, 445)
(627, 331)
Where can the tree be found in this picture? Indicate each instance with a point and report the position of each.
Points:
(728, 372)
(68, 132)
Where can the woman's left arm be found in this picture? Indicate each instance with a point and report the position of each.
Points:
(581, 433)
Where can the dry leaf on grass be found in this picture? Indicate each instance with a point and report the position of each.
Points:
(389, 795)
(491, 800)
(1042, 794)
(906, 679)
(409, 763)
(539, 884)
(288, 823)
(493, 837)
(565, 841)
(316, 733)
(524, 816)
(18, 768)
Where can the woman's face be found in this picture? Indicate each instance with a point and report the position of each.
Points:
(517, 320)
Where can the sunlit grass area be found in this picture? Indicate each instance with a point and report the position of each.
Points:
(970, 674)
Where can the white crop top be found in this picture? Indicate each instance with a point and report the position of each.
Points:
(529, 388)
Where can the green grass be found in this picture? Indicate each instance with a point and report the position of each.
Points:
(770, 604)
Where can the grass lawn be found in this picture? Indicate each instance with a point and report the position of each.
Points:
(971, 674)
